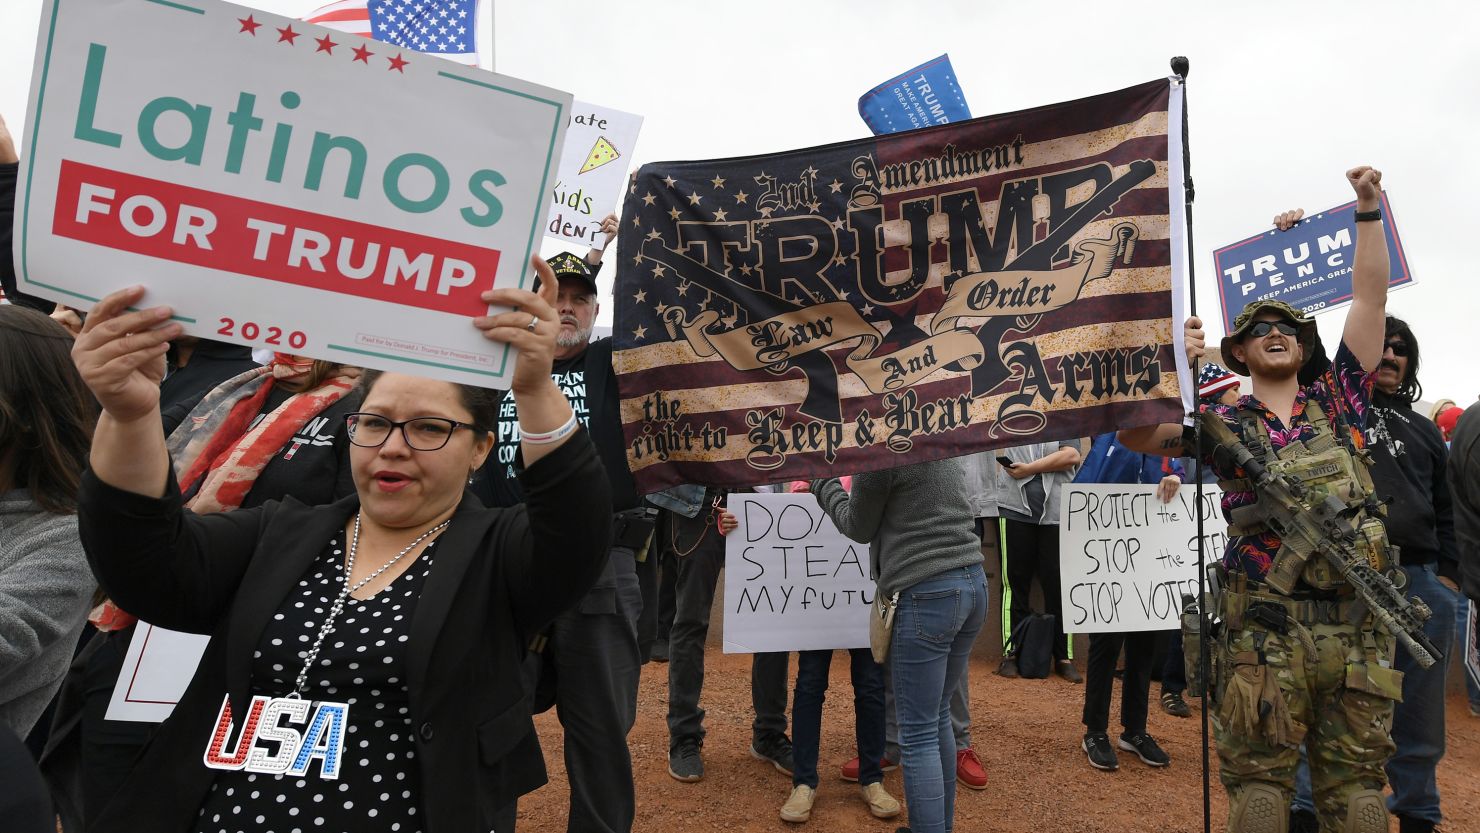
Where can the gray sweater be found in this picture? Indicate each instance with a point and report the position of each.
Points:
(45, 587)
(916, 520)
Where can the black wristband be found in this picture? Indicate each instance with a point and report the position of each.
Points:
(1368, 216)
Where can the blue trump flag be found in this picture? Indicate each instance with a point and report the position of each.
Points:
(924, 96)
(1308, 267)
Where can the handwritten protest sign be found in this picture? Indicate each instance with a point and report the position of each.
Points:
(910, 297)
(280, 184)
(793, 582)
(1308, 267)
(592, 173)
(1126, 558)
(156, 671)
(920, 97)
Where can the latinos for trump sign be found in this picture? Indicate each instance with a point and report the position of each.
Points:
(1308, 267)
(281, 184)
(909, 297)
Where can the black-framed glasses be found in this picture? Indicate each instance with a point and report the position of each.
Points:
(1399, 348)
(369, 430)
(1263, 328)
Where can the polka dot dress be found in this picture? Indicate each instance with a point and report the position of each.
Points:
(362, 663)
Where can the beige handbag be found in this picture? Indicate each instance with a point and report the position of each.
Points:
(881, 626)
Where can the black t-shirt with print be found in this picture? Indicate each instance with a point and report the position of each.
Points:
(596, 404)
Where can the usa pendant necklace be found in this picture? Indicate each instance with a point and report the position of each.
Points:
(325, 721)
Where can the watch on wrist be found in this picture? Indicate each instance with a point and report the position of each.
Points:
(1369, 216)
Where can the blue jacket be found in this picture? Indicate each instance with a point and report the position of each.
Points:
(1110, 462)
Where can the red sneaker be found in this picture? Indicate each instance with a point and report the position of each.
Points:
(850, 769)
(969, 770)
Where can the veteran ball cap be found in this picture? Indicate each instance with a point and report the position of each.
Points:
(1306, 335)
(566, 263)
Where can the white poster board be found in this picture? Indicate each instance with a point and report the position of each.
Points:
(793, 582)
(156, 671)
(281, 184)
(1126, 559)
(593, 172)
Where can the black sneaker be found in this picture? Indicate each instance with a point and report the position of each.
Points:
(1173, 704)
(1096, 746)
(1145, 749)
(684, 762)
(775, 749)
(1304, 821)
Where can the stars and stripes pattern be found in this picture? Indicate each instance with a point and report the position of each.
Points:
(445, 28)
(1213, 379)
(735, 243)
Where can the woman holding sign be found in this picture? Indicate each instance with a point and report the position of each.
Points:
(362, 671)
(923, 551)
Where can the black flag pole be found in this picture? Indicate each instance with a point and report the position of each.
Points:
(1180, 67)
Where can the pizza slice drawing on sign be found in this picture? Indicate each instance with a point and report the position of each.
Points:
(601, 153)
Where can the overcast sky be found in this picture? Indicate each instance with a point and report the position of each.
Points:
(1283, 98)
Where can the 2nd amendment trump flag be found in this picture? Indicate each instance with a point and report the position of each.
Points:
(864, 305)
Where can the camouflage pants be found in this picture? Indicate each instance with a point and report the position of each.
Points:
(1323, 685)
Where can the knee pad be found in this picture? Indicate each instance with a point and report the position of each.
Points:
(1366, 812)
(1258, 808)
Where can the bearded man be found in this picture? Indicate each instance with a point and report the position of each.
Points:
(1292, 668)
(588, 668)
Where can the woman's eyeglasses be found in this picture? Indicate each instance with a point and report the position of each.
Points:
(421, 434)
(1263, 328)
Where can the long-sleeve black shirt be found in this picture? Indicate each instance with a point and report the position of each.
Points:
(1409, 460)
(1464, 479)
(8, 174)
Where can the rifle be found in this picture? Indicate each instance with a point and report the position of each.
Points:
(1307, 524)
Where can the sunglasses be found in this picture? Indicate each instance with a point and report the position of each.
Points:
(1263, 328)
(1399, 348)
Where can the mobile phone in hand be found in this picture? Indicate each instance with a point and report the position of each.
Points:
(1005, 461)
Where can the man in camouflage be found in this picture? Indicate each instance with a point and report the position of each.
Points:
(1291, 668)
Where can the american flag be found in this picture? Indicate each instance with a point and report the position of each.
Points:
(445, 28)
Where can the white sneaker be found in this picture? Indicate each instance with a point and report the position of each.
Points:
(798, 808)
(880, 803)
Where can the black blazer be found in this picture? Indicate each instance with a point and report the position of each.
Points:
(502, 574)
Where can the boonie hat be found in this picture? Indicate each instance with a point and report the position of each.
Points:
(566, 263)
(1306, 334)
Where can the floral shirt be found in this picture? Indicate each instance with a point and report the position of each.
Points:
(1344, 393)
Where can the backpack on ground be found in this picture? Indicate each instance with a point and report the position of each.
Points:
(1032, 643)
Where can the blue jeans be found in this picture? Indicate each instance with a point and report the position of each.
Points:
(868, 714)
(699, 555)
(937, 622)
(1418, 721)
(1304, 795)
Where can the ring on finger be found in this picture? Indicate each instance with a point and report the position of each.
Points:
(533, 320)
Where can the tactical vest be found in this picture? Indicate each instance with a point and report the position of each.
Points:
(1328, 468)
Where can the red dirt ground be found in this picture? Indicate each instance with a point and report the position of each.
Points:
(1026, 731)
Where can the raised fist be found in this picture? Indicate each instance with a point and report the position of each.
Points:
(1367, 182)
